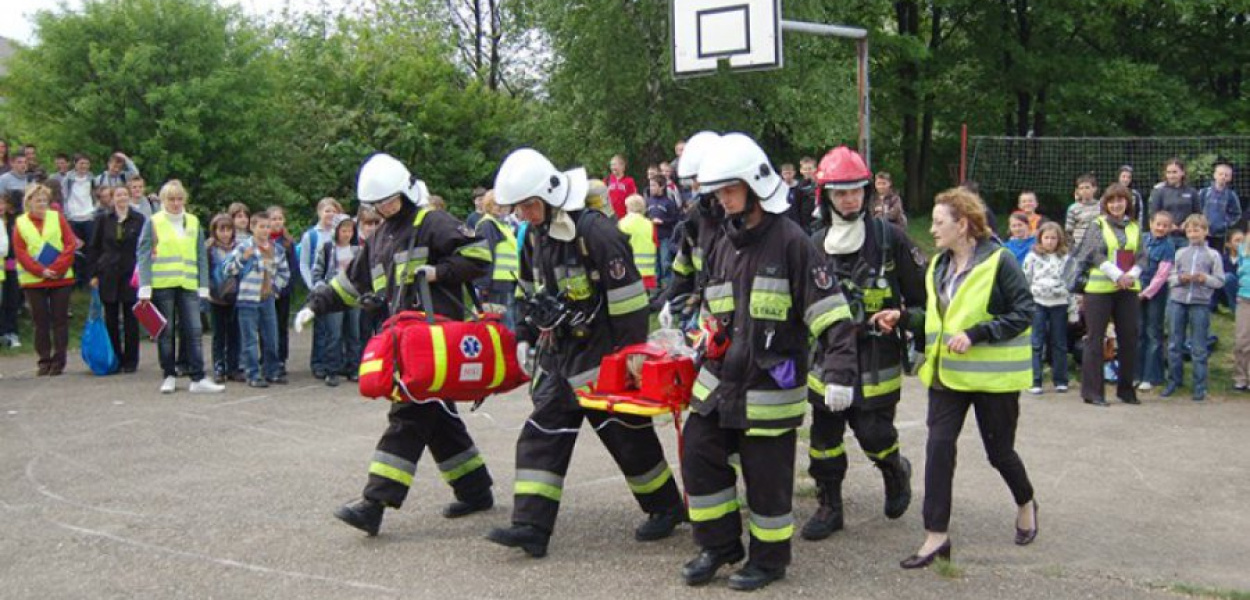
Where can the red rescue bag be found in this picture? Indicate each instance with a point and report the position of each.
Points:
(420, 356)
(660, 384)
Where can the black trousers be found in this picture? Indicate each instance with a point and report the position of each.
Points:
(542, 457)
(996, 418)
(873, 427)
(413, 428)
(283, 307)
(123, 328)
(1125, 308)
(711, 481)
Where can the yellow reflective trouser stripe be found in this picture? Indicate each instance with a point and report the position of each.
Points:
(771, 405)
(439, 340)
(884, 453)
(533, 482)
(768, 432)
(818, 454)
(392, 467)
(500, 366)
(651, 480)
(772, 529)
(713, 506)
(461, 464)
(824, 313)
(627, 299)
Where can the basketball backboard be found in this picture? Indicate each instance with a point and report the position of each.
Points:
(747, 33)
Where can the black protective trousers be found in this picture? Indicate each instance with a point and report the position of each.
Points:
(873, 427)
(546, 446)
(711, 481)
(413, 428)
(996, 418)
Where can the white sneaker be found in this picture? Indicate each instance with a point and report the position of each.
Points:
(1036, 391)
(1145, 387)
(206, 386)
(1061, 388)
(169, 385)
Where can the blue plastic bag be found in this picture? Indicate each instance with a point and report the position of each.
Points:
(97, 347)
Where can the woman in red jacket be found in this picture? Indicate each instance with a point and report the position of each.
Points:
(43, 245)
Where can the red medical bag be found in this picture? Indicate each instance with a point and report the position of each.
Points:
(662, 385)
(418, 356)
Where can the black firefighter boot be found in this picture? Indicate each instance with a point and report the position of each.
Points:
(896, 471)
(363, 514)
(828, 517)
(660, 525)
(526, 537)
(461, 508)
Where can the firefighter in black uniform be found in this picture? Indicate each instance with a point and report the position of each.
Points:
(411, 239)
(768, 290)
(882, 272)
(698, 232)
(586, 300)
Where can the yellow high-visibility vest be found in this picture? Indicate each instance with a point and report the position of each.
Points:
(35, 241)
(1005, 366)
(507, 262)
(175, 262)
(641, 234)
(1098, 282)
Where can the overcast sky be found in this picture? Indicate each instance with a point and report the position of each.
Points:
(19, 27)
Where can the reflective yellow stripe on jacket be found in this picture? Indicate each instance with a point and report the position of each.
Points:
(35, 241)
(1005, 366)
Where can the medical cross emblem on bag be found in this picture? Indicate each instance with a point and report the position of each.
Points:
(471, 347)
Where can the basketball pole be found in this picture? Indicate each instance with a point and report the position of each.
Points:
(862, 82)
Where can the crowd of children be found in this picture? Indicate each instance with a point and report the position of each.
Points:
(1182, 269)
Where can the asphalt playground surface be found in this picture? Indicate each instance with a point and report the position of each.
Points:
(110, 490)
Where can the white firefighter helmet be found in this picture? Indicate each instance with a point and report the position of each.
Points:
(526, 174)
(697, 147)
(736, 157)
(382, 176)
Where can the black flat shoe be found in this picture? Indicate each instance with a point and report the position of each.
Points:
(704, 566)
(1024, 537)
(917, 561)
(751, 578)
(464, 508)
(363, 514)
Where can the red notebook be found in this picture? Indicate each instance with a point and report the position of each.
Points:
(1124, 260)
(151, 319)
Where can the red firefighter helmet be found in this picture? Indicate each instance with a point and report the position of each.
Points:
(842, 169)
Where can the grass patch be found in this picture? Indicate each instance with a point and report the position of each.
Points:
(947, 569)
(1199, 591)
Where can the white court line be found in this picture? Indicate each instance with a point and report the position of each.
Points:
(43, 490)
(225, 562)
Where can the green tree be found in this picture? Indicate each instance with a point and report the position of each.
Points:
(185, 86)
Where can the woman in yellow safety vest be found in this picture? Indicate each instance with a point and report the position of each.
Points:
(44, 245)
(173, 275)
(641, 233)
(498, 287)
(978, 355)
(1112, 259)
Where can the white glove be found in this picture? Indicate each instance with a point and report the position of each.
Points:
(523, 357)
(838, 397)
(203, 293)
(145, 292)
(302, 318)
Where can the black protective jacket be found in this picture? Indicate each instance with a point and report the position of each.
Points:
(395, 251)
(595, 277)
(771, 290)
(875, 278)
